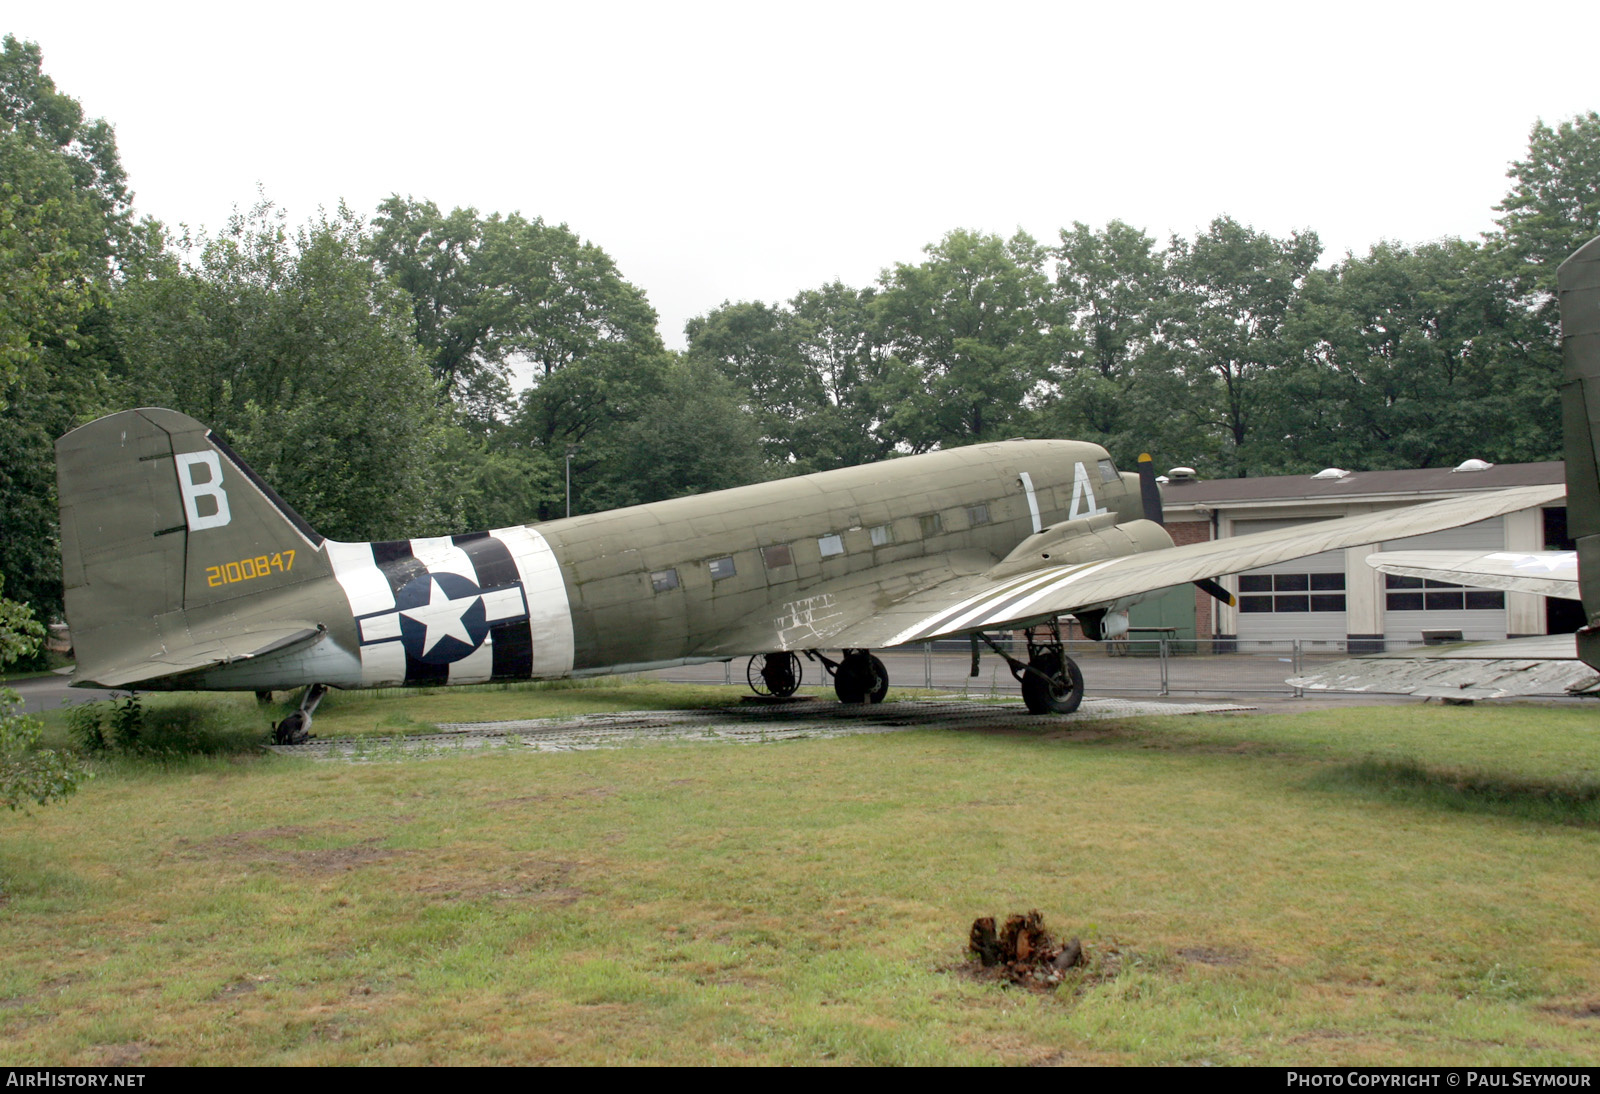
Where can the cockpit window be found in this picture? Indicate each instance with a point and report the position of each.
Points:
(1108, 471)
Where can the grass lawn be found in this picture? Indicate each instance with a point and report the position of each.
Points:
(1398, 885)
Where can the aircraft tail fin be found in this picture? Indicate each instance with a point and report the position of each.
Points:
(1578, 283)
(167, 535)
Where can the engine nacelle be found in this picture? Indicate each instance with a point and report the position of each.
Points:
(1076, 541)
(1100, 624)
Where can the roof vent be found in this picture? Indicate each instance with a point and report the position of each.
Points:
(1471, 465)
(1180, 474)
(1331, 473)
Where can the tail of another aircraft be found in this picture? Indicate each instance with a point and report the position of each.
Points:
(1578, 282)
(175, 556)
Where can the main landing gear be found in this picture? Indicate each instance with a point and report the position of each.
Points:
(858, 677)
(296, 728)
(1051, 681)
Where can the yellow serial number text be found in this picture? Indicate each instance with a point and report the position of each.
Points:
(245, 569)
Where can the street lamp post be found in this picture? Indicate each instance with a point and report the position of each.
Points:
(571, 448)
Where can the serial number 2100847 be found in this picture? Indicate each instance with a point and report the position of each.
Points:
(247, 568)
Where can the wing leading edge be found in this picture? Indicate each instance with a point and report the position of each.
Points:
(974, 603)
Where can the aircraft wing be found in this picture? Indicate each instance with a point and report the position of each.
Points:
(1542, 665)
(936, 603)
(1547, 573)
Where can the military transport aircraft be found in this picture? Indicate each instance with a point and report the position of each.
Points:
(184, 570)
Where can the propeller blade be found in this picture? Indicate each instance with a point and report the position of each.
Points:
(1207, 585)
(1150, 495)
(1149, 492)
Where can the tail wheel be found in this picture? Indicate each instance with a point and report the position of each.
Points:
(292, 730)
(861, 678)
(1055, 686)
(778, 674)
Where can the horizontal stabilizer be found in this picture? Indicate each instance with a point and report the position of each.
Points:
(206, 652)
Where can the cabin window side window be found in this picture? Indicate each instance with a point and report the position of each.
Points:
(720, 568)
(777, 555)
(830, 545)
(663, 581)
(882, 535)
(931, 524)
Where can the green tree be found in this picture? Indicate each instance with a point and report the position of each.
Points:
(65, 231)
(1232, 289)
(494, 293)
(1553, 207)
(1111, 378)
(753, 345)
(463, 317)
(850, 375)
(487, 483)
(814, 373)
(1414, 357)
(967, 329)
(497, 295)
(588, 335)
(589, 340)
(33, 113)
(290, 346)
(690, 438)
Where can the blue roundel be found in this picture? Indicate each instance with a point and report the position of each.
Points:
(442, 618)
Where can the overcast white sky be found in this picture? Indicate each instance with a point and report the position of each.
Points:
(747, 151)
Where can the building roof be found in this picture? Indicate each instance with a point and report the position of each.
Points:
(1367, 485)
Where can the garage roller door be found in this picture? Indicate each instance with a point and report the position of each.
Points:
(1412, 605)
(1303, 598)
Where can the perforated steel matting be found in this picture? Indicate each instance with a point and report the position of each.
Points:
(749, 723)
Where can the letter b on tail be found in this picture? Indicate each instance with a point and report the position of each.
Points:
(200, 481)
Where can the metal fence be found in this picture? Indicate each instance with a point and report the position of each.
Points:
(1135, 666)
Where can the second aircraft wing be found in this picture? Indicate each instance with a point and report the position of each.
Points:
(1546, 573)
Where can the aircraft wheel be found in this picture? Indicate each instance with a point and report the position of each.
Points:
(292, 730)
(861, 678)
(778, 676)
(880, 681)
(1063, 692)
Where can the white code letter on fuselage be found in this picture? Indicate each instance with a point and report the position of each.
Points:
(210, 488)
(1082, 491)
